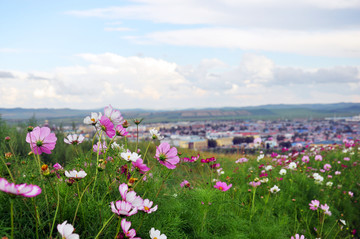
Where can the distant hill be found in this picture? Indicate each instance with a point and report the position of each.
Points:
(280, 111)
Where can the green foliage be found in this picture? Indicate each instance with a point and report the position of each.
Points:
(196, 211)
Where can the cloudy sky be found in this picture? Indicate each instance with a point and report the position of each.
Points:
(175, 54)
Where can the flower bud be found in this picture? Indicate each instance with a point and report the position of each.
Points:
(7, 138)
(30, 128)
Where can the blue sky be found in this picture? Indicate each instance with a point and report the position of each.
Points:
(159, 54)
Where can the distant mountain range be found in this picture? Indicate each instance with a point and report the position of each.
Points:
(279, 111)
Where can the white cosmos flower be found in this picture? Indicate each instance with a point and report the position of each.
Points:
(329, 184)
(292, 166)
(75, 174)
(282, 171)
(66, 230)
(155, 134)
(156, 234)
(74, 139)
(128, 156)
(274, 189)
(93, 119)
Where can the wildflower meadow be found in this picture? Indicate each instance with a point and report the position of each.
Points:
(67, 186)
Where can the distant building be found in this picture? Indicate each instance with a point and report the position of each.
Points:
(223, 142)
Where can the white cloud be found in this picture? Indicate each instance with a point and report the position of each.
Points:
(118, 29)
(145, 82)
(344, 43)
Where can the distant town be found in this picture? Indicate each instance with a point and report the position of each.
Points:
(241, 134)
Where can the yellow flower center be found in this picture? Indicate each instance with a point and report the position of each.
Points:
(221, 188)
(146, 208)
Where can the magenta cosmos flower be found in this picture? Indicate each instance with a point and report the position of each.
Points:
(121, 131)
(107, 126)
(222, 186)
(167, 156)
(41, 140)
(140, 166)
(19, 189)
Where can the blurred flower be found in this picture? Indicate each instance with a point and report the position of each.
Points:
(41, 140)
(326, 208)
(121, 131)
(282, 171)
(241, 160)
(107, 126)
(93, 119)
(337, 172)
(222, 186)
(297, 236)
(25, 190)
(208, 160)
(74, 139)
(268, 167)
(255, 184)
(76, 174)
(346, 159)
(66, 231)
(264, 180)
(185, 183)
(101, 147)
(351, 194)
(167, 156)
(305, 159)
(274, 189)
(318, 157)
(113, 115)
(156, 234)
(314, 205)
(155, 134)
(292, 166)
(7, 138)
(329, 184)
(57, 166)
(327, 167)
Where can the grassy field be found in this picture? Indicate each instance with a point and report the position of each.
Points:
(205, 206)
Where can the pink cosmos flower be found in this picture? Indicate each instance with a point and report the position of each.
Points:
(74, 139)
(325, 208)
(305, 159)
(140, 166)
(337, 172)
(41, 140)
(107, 126)
(147, 206)
(327, 167)
(314, 205)
(167, 156)
(346, 159)
(351, 194)
(57, 166)
(128, 233)
(113, 115)
(24, 190)
(130, 196)
(208, 160)
(297, 236)
(66, 231)
(121, 131)
(241, 160)
(102, 147)
(255, 184)
(318, 157)
(222, 186)
(123, 208)
(185, 183)
(191, 159)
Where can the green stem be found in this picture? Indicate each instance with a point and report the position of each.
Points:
(144, 157)
(162, 184)
(253, 204)
(12, 217)
(97, 163)
(37, 219)
(137, 137)
(118, 228)
(331, 230)
(57, 208)
(12, 178)
(105, 224)
(77, 208)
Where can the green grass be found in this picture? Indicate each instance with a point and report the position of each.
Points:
(200, 211)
